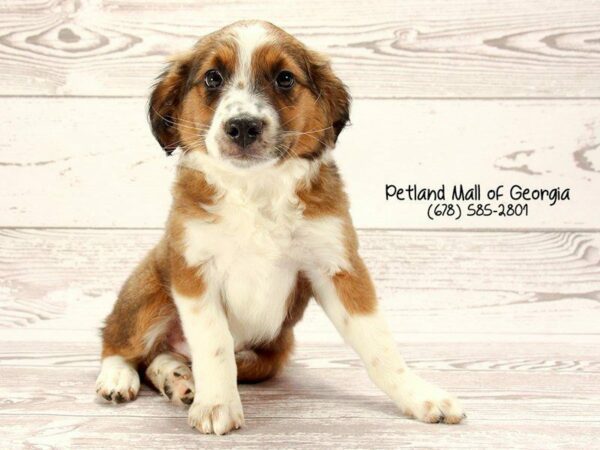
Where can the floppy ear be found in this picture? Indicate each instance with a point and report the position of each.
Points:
(165, 101)
(329, 90)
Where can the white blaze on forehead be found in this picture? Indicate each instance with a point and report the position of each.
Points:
(249, 37)
(240, 96)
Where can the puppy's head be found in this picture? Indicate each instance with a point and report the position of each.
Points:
(249, 94)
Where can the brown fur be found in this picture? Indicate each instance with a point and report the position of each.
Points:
(179, 103)
(143, 302)
(265, 361)
(325, 196)
(328, 91)
(355, 289)
(185, 279)
(191, 194)
(310, 127)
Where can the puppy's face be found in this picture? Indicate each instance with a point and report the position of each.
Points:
(249, 94)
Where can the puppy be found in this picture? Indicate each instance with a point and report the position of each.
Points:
(259, 225)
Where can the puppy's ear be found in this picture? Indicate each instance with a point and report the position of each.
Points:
(165, 101)
(329, 90)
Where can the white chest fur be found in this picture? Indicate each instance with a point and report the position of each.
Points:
(254, 251)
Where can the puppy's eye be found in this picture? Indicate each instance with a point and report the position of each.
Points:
(213, 79)
(284, 79)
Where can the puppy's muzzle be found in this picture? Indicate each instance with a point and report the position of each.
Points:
(243, 130)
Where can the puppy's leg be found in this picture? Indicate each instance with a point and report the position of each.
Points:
(134, 329)
(348, 299)
(262, 363)
(172, 376)
(217, 407)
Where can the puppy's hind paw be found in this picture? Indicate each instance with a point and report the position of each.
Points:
(118, 381)
(172, 376)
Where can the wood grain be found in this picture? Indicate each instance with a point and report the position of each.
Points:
(529, 357)
(102, 168)
(440, 284)
(403, 49)
(313, 402)
(507, 321)
(310, 393)
(172, 433)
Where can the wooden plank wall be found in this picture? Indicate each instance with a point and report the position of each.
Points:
(445, 92)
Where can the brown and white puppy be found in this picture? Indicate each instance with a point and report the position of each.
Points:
(259, 224)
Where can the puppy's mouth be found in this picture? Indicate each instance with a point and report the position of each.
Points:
(245, 156)
(246, 160)
(260, 152)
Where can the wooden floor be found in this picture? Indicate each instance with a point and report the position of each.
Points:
(507, 321)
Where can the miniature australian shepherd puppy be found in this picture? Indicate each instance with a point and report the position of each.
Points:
(259, 225)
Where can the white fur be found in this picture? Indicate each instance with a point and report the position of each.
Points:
(260, 241)
(249, 36)
(371, 338)
(239, 97)
(156, 331)
(118, 380)
(217, 407)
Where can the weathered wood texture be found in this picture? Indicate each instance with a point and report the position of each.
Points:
(537, 397)
(445, 283)
(93, 162)
(391, 49)
(508, 321)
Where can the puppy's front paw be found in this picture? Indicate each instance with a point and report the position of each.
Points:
(216, 418)
(429, 403)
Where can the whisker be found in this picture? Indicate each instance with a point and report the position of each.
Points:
(180, 122)
(305, 132)
(285, 107)
(318, 97)
(311, 136)
(289, 120)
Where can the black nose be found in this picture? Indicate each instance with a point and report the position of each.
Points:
(243, 130)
